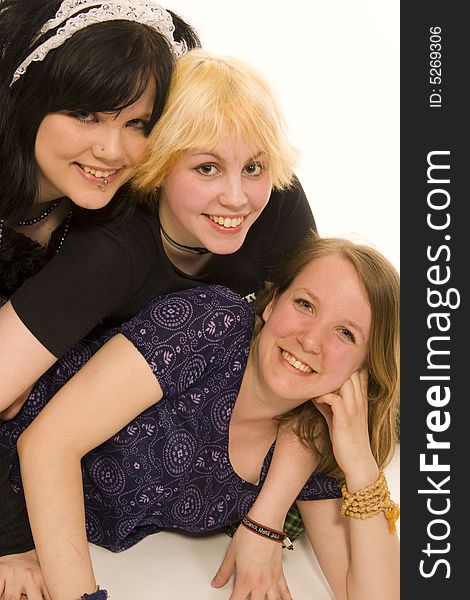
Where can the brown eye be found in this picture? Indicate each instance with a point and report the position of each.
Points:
(348, 334)
(304, 304)
(207, 169)
(253, 168)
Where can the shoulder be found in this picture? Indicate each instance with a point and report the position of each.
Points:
(291, 196)
(186, 335)
(288, 207)
(141, 222)
(207, 314)
(113, 240)
(215, 301)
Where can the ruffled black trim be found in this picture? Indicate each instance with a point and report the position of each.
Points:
(21, 257)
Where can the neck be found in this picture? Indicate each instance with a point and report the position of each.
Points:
(253, 405)
(190, 263)
(257, 402)
(252, 431)
(181, 247)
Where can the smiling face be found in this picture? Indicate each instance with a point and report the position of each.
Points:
(316, 333)
(211, 198)
(75, 152)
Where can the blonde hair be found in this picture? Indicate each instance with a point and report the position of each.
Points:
(210, 98)
(381, 282)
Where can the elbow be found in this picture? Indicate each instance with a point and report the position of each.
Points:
(33, 445)
(37, 453)
(26, 451)
(27, 444)
(41, 444)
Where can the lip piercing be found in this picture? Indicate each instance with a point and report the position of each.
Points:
(101, 186)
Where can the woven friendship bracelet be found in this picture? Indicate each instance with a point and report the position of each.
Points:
(267, 532)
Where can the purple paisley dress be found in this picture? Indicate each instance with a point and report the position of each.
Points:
(169, 469)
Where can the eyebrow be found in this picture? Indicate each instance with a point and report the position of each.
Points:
(147, 115)
(217, 157)
(144, 117)
(349, 323)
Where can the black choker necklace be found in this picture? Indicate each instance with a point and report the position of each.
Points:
(52, 206)
(182, 247)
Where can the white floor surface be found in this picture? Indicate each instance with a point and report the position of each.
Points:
(170, 566)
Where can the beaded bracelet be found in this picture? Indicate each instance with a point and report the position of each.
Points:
(267, 532)
(369, 501)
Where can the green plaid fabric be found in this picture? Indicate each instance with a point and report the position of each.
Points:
(293, 525)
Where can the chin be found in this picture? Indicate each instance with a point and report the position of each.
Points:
(225, 251)
(93, 203)
(229, 247)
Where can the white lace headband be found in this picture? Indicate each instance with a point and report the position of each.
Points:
(148, 13)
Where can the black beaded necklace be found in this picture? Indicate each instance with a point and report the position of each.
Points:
(41, 217)
(52, 206)
(182, 247)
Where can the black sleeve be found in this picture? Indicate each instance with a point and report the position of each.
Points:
(95, 276)
(290, 218)
(15, 533)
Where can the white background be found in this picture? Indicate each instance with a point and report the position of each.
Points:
(335, 67)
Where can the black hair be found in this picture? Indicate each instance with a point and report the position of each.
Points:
(101, 68)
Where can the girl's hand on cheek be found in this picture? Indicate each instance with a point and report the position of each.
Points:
(346, 415)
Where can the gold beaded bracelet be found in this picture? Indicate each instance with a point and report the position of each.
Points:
(369, 501)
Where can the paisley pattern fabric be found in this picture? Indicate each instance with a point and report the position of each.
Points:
(170, 467)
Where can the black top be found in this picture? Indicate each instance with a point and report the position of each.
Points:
(21, 257)
(15, 533)
(106, 273)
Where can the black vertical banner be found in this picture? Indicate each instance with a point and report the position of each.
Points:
(435, 390)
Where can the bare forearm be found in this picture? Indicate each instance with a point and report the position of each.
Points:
(53, 487)
(109, 391)
(291, 466)
(372, 574)
(374, 571)
(359, 557)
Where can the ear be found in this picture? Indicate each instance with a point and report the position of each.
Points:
(268, 311)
